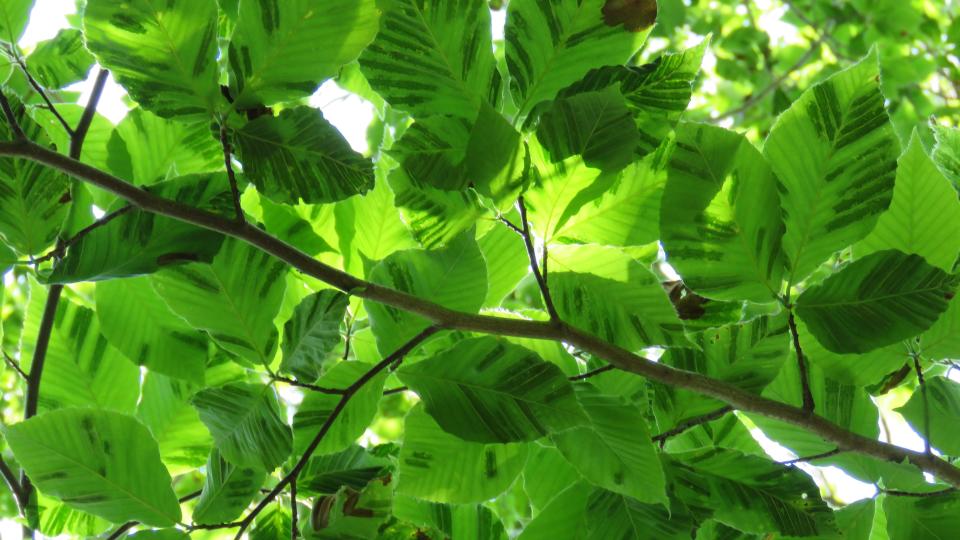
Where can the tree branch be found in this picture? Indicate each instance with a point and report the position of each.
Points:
(532, 255)
(926, 403)
(395, 357)
(61, 249)
(12, 121)
(43, 95)
(15, 365)
(692, 423)
(814, 457)
(11, 480)
(79, 135)
(315, 388)
(592, 373)
(621, 358)
(808, 404)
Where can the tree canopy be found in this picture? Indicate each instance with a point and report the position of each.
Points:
(600, 269)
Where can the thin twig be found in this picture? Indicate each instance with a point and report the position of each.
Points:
(60, 250)
(121, 530)
(814, 457)
(593, 373)
(315, 388)
(398, 390)
(532, 254)
(393, 358)
(692, 423)
(926, 403)
(15, 365)
(214, 526)
(808, 404)
(43, 95)
(293, 509)
(823, 32)
(346, 341)
(510, 225)
(10, 478)
(231, 175)
(12, 121)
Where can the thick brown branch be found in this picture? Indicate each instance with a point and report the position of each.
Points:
(393, 358)
(621, 358)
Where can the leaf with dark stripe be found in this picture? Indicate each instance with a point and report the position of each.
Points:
(234, 298)
(312, 332)
(942, 396)
(33, 197)
(487, 390)
(140, 242)
(227, 491)
(299, 155)
(351, 423)
(612, 515)
(281, 50)
(720, 220)
(835, 154)
(613, 450)
(432, 461)
(136, 321)
(246, 423)
(750, 493)
(924, 216)
(163, 53)
(946, 153)
(61, 60)
(434, 57)
(100, 462)
(552, 44)
(878, 300)
(454, 277)
(596, 125)
(473, 521)
(353, 468)
(608, 293)
(657, 93)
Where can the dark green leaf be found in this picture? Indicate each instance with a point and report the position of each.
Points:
(227, 491)
(312, 332)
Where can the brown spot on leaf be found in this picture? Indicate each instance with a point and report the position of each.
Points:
(634, 15)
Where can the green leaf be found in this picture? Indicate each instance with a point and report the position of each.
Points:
(454, 277)
(546, 475)
(559, 190)
(432, 57)
(923, 215)
(564, 517)
(164, 54)
(942, 396)
(234, 298)
(439, 467)
(834, 152)
(353, 468)
(720, 220)
(612, 515)
(312, 332)
(227, 491)
(140, 242)
(136, 321)
(488, 391)
(273, 523)
(33, 197)
(13, 19)
(657, 93)
(158, 148)
(299, 155)
(96, 149)
(922, 518)
(349, 515)
(751, 493)
(875, 301)
(166, 534)
(81, 368)
(371, 239)
(476, 522)
(281, 50)
(626, 213)
(57, 518)
(614, 450)
(942, 340)
(165, 409)
(507, 263)
(246, 423)
(946, 153)
(352, 421)
(432, 153)
(596, 125)
(61, 60)
(101, 462)
(435, 218)
(550, 45)
(617, 298)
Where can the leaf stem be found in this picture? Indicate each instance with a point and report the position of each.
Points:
(231, 175)
(808, 404)
(814, 457)
(926, 403)
(43, 95)
(532, 255)
(692, 423)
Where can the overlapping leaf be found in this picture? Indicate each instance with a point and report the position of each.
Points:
(165, 409)
(104, 463)
(312, 332)
(227, 491)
